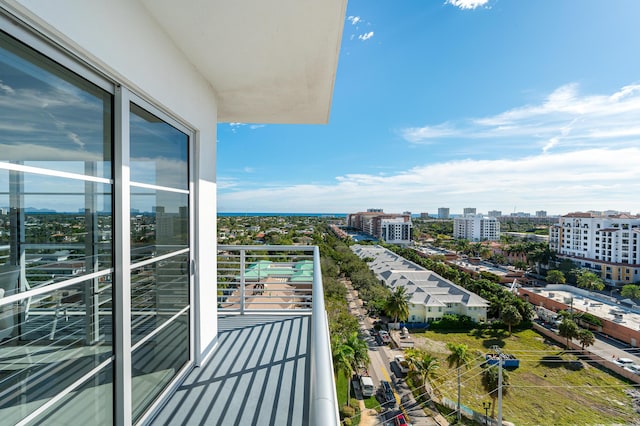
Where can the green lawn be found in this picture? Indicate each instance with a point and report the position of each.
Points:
(540, 392)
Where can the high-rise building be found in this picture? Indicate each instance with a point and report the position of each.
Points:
(494, 213)
(469, 211)
(424, 215)
(109, 108)
(608, 245)
(443, 213)
(476, 228)
(541, 213)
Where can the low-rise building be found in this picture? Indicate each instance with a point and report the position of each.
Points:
(431, 296)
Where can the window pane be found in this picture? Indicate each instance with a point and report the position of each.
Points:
(158, 291)
(159, 222)
(55, 228)
(159, 152)
(157, 362)
(90, 404)
(49, 341)
(50, 117)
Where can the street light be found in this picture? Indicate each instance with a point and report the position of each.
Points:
(486, 406)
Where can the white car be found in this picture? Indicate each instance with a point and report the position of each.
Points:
(634, 368)
(402, 364)
(623, 362)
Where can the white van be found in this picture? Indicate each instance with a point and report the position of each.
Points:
(366, 384)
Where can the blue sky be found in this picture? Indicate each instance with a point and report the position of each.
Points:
(494, 104)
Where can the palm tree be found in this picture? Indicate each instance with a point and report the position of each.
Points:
(586, 338)
(343, 356)
(397, 305)
(360, 350)
(490, 379)
(568, 329)
(510, 316)
(556, 277)
(423, 365)
(459, 356)
(588, 280)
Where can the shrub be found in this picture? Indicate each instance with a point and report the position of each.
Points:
(346, 411)
(453, 322)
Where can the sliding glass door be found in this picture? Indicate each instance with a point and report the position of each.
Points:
(75, 310)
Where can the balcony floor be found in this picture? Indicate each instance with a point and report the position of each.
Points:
(259, 374)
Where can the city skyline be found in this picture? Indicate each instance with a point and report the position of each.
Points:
(500, 105)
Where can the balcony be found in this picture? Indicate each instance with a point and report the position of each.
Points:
(272, 363)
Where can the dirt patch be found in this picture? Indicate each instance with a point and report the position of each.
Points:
(431, 346)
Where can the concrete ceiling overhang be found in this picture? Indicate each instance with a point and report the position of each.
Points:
(268, 61)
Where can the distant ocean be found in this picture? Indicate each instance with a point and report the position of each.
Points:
(285, 214)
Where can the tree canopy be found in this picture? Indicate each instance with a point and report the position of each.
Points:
(397, 306)
(589, 281)
(555, 276)
(510, 316)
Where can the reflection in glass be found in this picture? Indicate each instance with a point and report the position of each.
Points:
(55, 228)
(48, 341)
(159, 152)
(90, 404)
(159, 222)
(158, 291)
(157, 362)
(48, 114)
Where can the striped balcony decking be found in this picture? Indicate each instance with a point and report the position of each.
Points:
(259, 374)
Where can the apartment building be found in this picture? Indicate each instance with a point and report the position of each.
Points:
(469, 211)
(110, 108)
(430, 295)
(476, 228)
(390, 227)
(607, 244)
(443, 212)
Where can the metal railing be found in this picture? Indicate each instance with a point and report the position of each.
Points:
(283, 279)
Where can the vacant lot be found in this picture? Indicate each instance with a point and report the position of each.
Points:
(550, 387)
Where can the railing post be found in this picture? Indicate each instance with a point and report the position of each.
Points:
(242, 268)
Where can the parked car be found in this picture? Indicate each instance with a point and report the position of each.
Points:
(402, 364)
(387, 391)
(634, 368)
(623, 362)
(400, 420)
(384, 335)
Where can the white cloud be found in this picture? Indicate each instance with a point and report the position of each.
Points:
(366, 36)
(565, 118)
(467, 4)
(597, 179)
(419, 134)
(6, 89)
(353, 19)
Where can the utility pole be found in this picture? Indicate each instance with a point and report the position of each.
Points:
(500, 390)
(459, 411)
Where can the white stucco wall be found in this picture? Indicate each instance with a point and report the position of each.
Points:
(121, 40)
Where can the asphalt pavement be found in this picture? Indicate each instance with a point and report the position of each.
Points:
(382, 368)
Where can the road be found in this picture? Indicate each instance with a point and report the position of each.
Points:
(381, 368)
